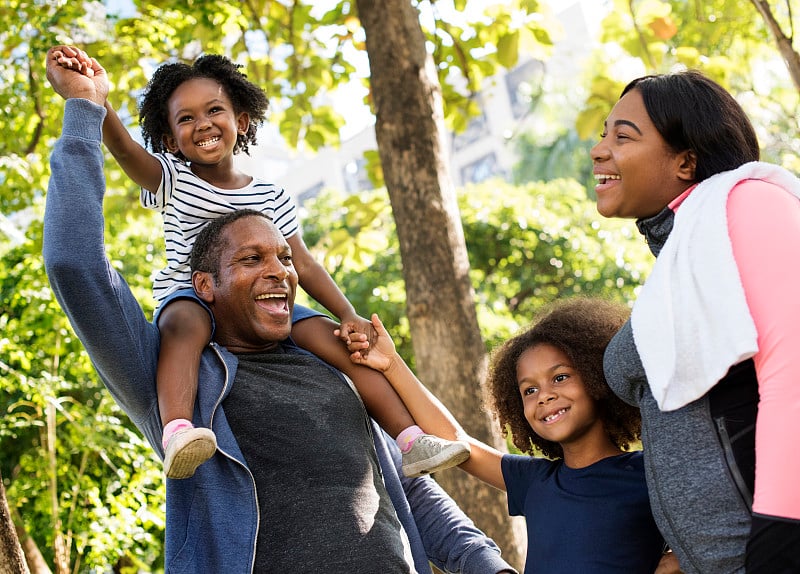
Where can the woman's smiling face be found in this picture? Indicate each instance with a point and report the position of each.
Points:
(636, 171)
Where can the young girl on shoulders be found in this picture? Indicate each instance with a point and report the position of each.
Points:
(195, 118)
(586, 504)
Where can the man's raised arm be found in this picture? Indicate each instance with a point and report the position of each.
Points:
(121, 342)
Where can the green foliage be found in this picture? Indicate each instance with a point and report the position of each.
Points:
(297, 52)
(566, 156)
(729, 41)
(528, 245)
(468, 55)
(354, 237)
(63, 438)
(71, 459)
(536, 243)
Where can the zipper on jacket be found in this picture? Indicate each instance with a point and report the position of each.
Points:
(733, 467)
(215, 347)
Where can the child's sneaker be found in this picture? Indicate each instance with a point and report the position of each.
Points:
(187, 449)
(430, 453)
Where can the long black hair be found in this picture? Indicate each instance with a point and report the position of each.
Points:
(693, 112)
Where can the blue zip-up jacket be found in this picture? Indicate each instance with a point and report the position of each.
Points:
(213, 517)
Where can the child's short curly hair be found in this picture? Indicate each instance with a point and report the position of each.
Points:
(581, 328)
(245, 97)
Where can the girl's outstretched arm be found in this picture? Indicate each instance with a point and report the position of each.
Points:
(137, 163)
(131, 156)
(316, 281)
(427, 410)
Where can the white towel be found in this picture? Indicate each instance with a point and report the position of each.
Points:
(691, 321)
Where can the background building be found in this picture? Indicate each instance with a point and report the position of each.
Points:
(484, 150)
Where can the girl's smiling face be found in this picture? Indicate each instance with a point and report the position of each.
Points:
(556, 402)
(204, 124)
(636, 171)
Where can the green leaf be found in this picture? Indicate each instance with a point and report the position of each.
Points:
(508, 49)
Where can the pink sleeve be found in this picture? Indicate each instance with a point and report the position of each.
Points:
(764, 227)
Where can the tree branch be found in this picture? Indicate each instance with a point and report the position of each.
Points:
(37, 106)
(650, 63)
(790, 56)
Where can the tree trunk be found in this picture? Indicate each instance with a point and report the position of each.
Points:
(450, 354)
(12, 561)
(33, 556)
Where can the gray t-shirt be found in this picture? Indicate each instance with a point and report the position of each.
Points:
(304, 433)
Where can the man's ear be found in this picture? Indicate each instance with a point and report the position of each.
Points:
(170, 143)
(203, 284)
(687, 165)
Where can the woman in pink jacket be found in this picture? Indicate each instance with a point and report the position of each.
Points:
(710, 354)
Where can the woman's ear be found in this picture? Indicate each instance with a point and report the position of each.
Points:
(687, 165)
(203, 284)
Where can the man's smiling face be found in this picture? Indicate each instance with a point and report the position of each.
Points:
(253, 294)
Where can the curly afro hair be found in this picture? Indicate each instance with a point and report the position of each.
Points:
(245, 97)
(581, 328)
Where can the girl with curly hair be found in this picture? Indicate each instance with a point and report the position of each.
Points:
(195, 118)
(585, 501)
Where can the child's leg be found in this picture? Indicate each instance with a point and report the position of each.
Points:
(315, 334)
(185, 328)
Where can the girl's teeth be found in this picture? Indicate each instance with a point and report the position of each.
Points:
(553, 416)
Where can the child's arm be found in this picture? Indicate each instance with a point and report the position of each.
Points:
(315, 334)
(134, 160)
(320, 286)
(132, 157)
(427, 410)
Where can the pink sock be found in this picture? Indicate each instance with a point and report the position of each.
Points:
(407, 437)
(172, 427)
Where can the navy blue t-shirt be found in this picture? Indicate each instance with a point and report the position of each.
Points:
(593, 520)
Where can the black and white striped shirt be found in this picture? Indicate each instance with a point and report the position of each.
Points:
(187, 203)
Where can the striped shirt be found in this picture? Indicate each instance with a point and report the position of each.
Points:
(187, 203)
